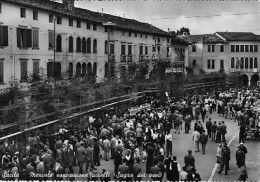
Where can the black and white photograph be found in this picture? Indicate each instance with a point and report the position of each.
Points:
(130, 90)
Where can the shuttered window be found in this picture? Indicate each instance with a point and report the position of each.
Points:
(1, 71)
(24, 70)
(35, 38)
(51, 39)
(36, 67)
(24, 38)
(3, 35)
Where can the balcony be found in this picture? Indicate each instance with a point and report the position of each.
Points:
(111, 58)
(244, 70)
(130, 58)
(141, 58)
(123, 58)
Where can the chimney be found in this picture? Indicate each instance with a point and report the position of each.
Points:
(69, 4)
(102, 12)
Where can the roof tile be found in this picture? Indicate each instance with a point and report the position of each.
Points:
(87, 15)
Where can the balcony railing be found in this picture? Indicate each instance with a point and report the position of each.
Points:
(111, 58)
(123, 58)
(244, 70)
(141, 58)
(130, 58)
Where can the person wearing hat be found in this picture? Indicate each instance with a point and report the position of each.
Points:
(240, 157)
(243, 148)
(193, 176)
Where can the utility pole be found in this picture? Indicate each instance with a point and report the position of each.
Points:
(54, 50)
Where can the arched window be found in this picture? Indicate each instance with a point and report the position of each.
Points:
(89, 68)
(255, 63)
(88, 45)
(78, 48)
(246, 62)
(58, 43)
(84, 69)
(70, 44)
(95, 69)
(251, 63)
(84, 45)
(106, 47)
(237, 62)
(106, 70)
(95, 46)
(78, 70)
(241, 63)
(70, 70)
(232, 62)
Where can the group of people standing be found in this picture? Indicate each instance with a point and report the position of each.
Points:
(145, 136)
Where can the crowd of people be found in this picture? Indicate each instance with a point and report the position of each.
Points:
(143, 134)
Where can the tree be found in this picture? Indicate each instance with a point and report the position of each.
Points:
(183, 31)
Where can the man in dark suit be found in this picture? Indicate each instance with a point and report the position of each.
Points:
(137, 170)
(193, 176)
(155, 173)
(168, 168)
(123, 172)
(81, 152)
(189, 159)
(117, 161)
(203, 141)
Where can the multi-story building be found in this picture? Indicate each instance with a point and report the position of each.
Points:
(229, 52)
(57, 40)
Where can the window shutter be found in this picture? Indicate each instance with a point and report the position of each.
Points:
(18, 32)
(29, 37)
(1, 71)
(5, 35)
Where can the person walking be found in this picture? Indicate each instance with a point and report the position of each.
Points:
(225, 159)
(208, 127)
(176, 169)
(189, 160)
(203, 141)
(219, 154)
(218, 136)
(196, 140)
(240, 157)
(168, 139)
(213, 130)
(223, 131)
(242, 131)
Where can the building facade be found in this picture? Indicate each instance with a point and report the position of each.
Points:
(233, 53)
(48, 39)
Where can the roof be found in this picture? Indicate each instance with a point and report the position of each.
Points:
(87, 15)
(178, 41)
(212, 39)
(192, 39)
(239, 36)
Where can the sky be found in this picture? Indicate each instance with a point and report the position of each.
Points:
(200, 16)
